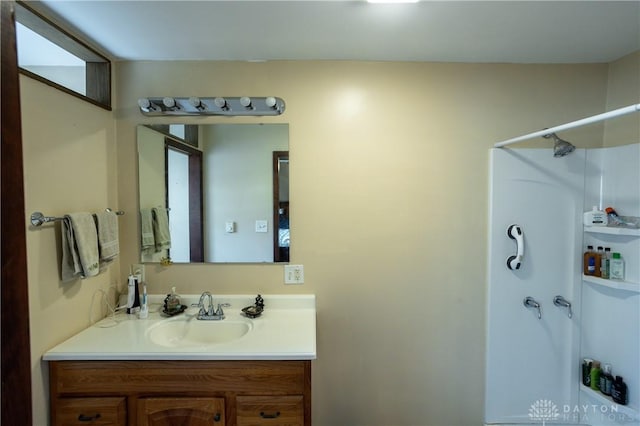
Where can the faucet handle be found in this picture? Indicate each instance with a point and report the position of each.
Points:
(219, 311)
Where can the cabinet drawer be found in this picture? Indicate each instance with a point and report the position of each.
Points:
(91, 411)
(181, 411)
(270, 410)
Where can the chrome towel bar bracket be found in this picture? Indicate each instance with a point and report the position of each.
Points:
(38, 219)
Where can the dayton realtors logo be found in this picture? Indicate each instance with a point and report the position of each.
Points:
(543, 410)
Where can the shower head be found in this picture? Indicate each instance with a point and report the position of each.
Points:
(560, 146)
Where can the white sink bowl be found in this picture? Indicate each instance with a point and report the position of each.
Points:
(187, 331)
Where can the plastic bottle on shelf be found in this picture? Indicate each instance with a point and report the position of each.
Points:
(586, 371)
(595, 375)
(606, 379)
(589, 261)
(595, 217)
(619, 391)
(599, 257)
(616, 264)
(605, 263)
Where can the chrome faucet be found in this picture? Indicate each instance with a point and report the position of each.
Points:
(210, 313)
(563, 303)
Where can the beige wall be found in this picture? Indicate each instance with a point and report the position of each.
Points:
(69, 166)
(389, 208)
(623, 90)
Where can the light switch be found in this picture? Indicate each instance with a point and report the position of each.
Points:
(230, 227)
(261, 226)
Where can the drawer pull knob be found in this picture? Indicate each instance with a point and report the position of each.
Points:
(270, 416)
(84, 418)
(217, 417)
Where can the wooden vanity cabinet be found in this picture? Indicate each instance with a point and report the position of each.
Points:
(193, 393)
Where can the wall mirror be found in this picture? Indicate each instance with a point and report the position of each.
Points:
(224, 189)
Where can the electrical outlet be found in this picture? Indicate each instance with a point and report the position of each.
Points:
(261, 226)
(138, 269)
(293, 274)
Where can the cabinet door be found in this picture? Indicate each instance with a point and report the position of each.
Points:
(181, 412)
(90, 411)
(270, 410)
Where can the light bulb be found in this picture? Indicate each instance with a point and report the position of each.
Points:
(144, 103)
(270, 102)
(196, 102)
(245, 101)
(169, 102)
(220, 102)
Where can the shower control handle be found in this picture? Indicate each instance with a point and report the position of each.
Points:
(530, 302)
(563, 303)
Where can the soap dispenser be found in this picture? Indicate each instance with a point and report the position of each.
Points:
(172, 303)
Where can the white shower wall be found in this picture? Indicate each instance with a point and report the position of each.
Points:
(532, 361)
(611, 317)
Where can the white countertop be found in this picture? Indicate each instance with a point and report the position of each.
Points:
(285, 331)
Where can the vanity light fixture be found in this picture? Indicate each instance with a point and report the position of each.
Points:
(392, 1)
(230, 106)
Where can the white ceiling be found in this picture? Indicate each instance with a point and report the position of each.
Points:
(449, 31)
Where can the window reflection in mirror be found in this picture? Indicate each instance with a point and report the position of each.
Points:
(244, 186)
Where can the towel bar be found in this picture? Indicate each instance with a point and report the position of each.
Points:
(37, 218)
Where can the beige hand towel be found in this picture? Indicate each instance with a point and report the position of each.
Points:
(146, 226)
(71, 268)
(161, 228)
(80, 246)
(108, 243)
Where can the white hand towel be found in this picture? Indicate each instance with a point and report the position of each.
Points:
(81, 240)
(146, 226)
(161, 228)
(108, 243)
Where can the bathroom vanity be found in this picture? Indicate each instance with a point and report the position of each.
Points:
(165, 371)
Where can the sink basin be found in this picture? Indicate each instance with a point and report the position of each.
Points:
(189, 332)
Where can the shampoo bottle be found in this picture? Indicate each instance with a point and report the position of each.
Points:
(616, 265)
(605, 263)
(606, 380)
(595, 375)
(619, 391)
(599, 256)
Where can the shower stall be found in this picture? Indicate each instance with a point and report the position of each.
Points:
(543, 315)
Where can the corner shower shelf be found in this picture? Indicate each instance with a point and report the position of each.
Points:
(618, 285)
(606, 400)
(612, 230)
